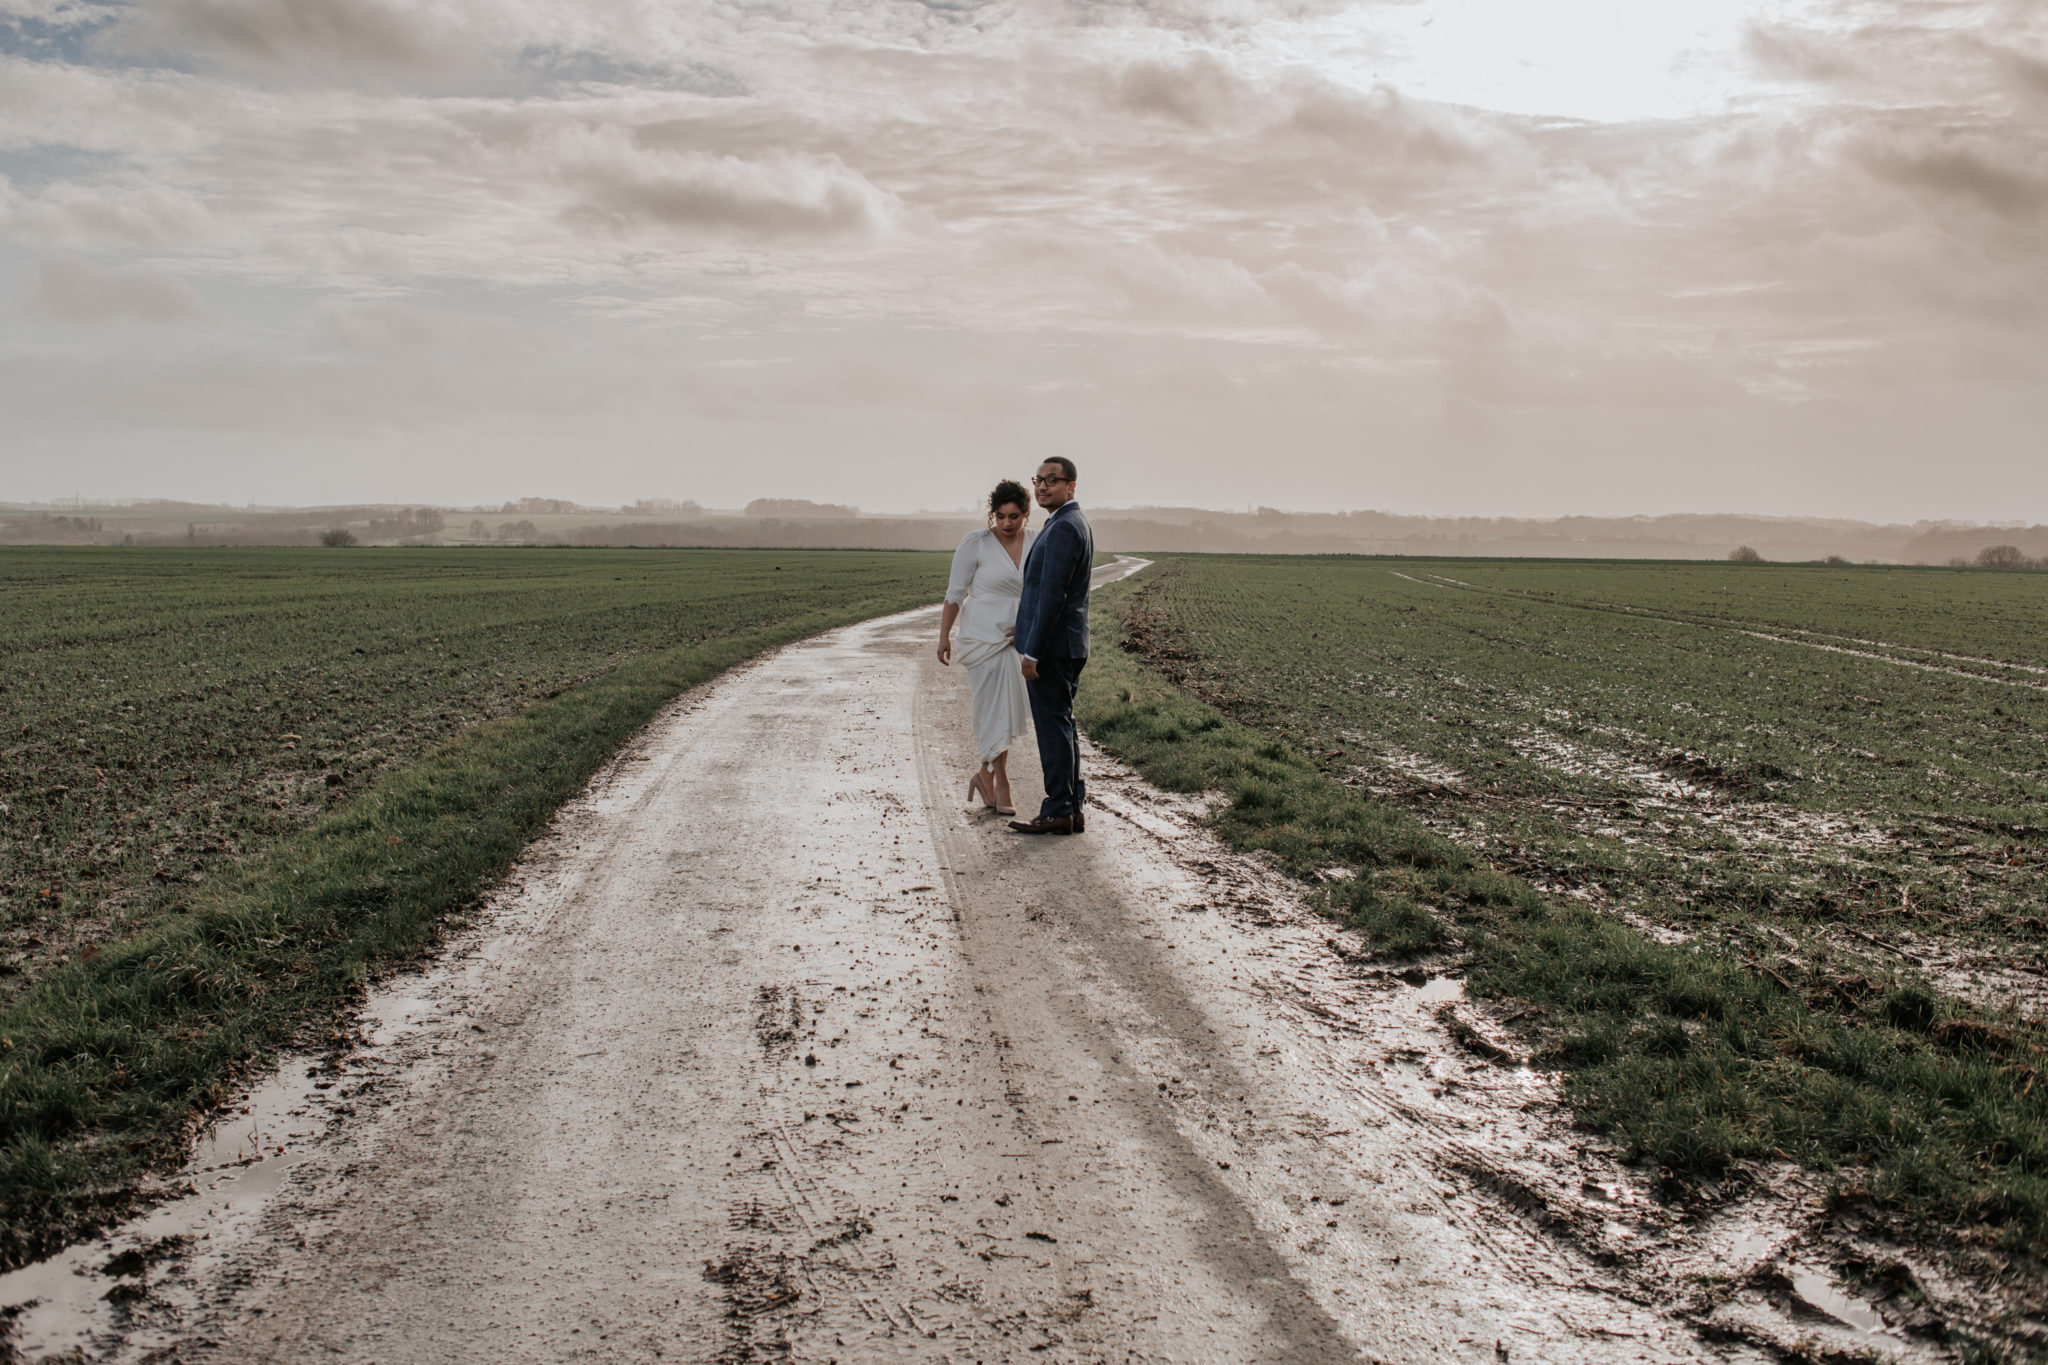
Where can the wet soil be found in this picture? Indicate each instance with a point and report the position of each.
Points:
(1689, 809)
(775, 1050)
(1685, 847)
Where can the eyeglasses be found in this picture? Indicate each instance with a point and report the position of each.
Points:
(1042, 481)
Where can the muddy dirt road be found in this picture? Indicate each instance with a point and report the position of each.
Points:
(776, 1051)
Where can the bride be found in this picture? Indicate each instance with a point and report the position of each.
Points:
(988, 575)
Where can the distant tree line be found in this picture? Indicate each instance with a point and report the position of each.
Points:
(2000, 557)
(801, 509)
(541, 507)
(31, 530)
(804, 523)
(418, 521)
(774, 533)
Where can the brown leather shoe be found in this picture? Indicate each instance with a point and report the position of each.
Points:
(1045, 824)
(1080, 822)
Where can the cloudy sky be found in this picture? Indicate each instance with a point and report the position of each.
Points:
(1472, 256)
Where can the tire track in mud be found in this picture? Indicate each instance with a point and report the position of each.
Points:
(1271, 1081)
(781, 1054)
(1386, 1131)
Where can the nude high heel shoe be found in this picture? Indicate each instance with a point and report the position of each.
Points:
(978, 785)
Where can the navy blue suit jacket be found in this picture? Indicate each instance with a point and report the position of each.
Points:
(1052, 614)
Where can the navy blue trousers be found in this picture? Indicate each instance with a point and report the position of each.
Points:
(1059, 744)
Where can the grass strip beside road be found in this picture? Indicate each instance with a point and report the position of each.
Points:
(1929, 1116)
(109, 1064)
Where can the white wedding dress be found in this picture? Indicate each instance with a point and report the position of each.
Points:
(989, 585)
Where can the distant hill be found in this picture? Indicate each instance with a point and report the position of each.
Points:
(1946, 544)
(800, 523)
(800, 509)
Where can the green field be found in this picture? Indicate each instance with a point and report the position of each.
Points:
(236, 783)
(1753, 853)
(1738, 750)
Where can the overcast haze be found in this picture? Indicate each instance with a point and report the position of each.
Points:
(1451, 256)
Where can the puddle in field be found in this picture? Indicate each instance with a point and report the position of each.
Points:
(1751, 1247)
(1551, 750)
(127, 1287)
(71, 1299)
(1672, 817)
(1439, 990)
(1420, 768)
(1819, 1291)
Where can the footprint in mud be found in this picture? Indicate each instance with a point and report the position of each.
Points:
(752, 1215)
(778, 1020)
(755, 1284)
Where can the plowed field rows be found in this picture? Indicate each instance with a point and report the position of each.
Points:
(168, 712)
(1750, 856)
(1725, 749)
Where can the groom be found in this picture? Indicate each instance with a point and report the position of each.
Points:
(1052, 636)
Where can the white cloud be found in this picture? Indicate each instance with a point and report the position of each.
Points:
(1991, 174)
(67, 289)
(1796, 54)
(620, 178)
(70, 216)
(1148, 214)
(1197, 92)
(305, 38)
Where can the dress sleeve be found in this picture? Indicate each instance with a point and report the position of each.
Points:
(964, 560)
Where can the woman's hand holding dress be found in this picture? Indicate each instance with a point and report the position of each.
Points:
(983, 590)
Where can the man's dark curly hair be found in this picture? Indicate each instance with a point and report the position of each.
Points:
(1009, 492)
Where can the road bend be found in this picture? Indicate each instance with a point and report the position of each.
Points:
(776, 1050)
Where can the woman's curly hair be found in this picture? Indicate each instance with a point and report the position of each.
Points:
(1007, 492)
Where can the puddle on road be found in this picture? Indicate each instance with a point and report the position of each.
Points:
(1751, 1247)
(123, 1291)
(1440, 990)
(1820, 1292)
(71, 1300)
